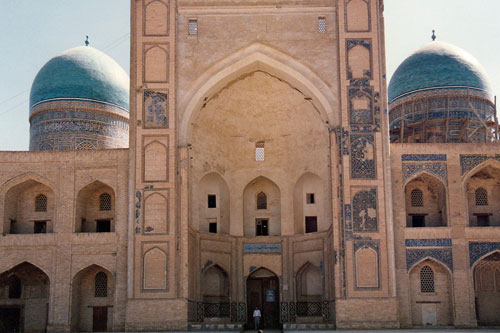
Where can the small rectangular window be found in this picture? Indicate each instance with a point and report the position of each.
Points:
(322, 24)
(259, 151)
(40, 227)
(310, 198)
(311, 224)
(103, 226)
(212, 201)
(418, 221)
(483, 220)
(212, 227)
(193, 26)
(261, 227)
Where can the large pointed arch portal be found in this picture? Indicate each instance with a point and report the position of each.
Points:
(256, 57)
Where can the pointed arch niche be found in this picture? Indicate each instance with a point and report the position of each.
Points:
(309, 204)
(430, 306)
(95, 208)
(24, 300)
(426, 199)
(309, 283)
(487, 289)
(482, 190)
(24, 213)
(92, 293)
(262, 222)
(213, 208)
(255, 57)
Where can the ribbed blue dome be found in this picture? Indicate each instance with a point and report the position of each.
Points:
(438, 65)
(82, 72)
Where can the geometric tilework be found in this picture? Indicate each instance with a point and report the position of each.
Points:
(442, 255)
(423, 157)
(469, 162)
(362, 156)
(437, 242)
(364, 210)
(155, 109)
(479, 249)
(438, 169)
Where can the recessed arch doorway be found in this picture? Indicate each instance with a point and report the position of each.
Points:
(263, 291)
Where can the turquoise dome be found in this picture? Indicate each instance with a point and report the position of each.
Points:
(82, 72)
(438, 65)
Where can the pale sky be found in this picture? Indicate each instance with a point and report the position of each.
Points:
(34, 31)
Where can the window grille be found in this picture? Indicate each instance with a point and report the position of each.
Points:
(105, 201)
(481, 197)
(193, 27)
(85, 146)
(261, 201)
(322, 24)
(41, 203)
(101, 285)
(259, 151)
(417, 198)
(426, 280)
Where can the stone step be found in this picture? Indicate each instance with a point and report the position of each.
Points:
(204, 327)
(308, 327)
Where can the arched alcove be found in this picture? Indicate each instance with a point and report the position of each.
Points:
(261, 222)
(309, 201)
(482, 190)
(309, 284)
(92, 300)
(29, 207)
(213, 204)
(24, 300)
(95, 208)
(426, 203)
(487, 289)
(430, 294)
(215, 292)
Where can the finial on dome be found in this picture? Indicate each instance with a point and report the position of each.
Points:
(433, 35)
(87, 41)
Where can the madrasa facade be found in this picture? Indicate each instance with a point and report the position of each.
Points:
(254, 158)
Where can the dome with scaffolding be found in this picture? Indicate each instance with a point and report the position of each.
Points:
(441, 94)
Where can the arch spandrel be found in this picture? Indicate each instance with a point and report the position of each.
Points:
(256, 57)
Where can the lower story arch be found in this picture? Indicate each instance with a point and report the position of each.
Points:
(24, 306)
(487, 290)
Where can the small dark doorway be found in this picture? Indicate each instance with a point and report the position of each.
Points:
(261, 227)
(100, 319)
(10, 319)
(263, 292)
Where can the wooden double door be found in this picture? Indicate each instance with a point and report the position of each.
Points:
(100, 319)
(263, 292)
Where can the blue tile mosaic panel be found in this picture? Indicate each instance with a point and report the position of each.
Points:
(155, 109)
(261, 248)
(363, 156)
(437, 242)
(442, 255)
(364, 210)
(423, 157)
(479, 249)
(438, 169)
(469, 162)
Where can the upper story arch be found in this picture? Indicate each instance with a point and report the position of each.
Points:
(256, 57)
